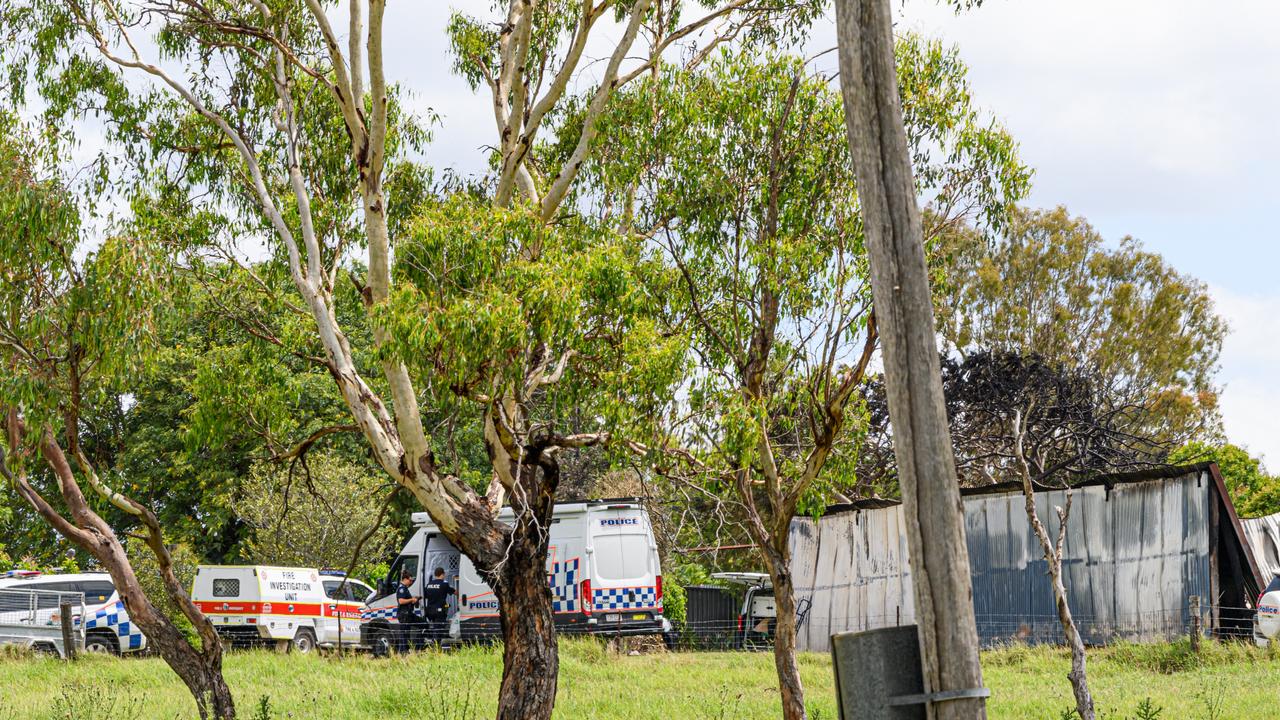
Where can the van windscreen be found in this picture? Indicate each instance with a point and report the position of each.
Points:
(621, 557)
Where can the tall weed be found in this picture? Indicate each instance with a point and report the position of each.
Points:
(79, 700)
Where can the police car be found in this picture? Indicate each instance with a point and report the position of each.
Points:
(107, 628)
(602, 566)
(1266, 621)
(295, 608)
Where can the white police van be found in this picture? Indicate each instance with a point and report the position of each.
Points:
(106, 625)
(295, 608)
(602, 567)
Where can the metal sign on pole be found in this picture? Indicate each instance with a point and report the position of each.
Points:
(879, 676)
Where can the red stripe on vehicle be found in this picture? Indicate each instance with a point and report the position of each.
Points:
(256, 608)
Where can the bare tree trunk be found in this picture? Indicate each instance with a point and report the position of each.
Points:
(913, 383)
(530, 659)
(1053, 556)
(515, 566)
(1078, 675)
(199, 670)
(784, 644)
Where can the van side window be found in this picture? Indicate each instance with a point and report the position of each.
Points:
(97, 592)
(334, 590)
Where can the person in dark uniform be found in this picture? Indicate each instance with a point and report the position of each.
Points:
(405, 615)
(436, 594)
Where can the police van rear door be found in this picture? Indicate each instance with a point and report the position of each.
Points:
(442, 554)
(477, 599)
(623, 563)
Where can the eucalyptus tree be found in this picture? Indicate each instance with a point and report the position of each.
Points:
(1050, 284)
(76, 321)
(262, 109)
(739, 175)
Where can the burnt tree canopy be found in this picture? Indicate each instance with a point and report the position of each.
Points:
(1072, 426)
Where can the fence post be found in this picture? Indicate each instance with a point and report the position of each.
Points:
(1194, 602)
(68, 636)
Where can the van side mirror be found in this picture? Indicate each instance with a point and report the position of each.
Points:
(384, 587)
(464, 599)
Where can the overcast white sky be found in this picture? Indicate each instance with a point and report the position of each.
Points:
(1154, 119)
(1151, 118)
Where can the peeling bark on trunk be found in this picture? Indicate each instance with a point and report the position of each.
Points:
(784, 646)
(904, 310)
(530, 659)
(513, 561)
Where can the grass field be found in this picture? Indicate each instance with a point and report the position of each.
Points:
(1225, 682)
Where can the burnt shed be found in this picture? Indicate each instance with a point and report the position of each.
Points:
(1137, 547)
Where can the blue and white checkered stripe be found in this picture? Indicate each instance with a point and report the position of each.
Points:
(384, 613)
(624, 598)
(114, 618)
(564, 586)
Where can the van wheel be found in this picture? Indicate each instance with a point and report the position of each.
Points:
(381, 642)
(304, 642)
(103, 643)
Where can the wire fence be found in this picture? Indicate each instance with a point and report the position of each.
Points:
(732, 633)
(994, 629)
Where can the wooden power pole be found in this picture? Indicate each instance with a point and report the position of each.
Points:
(904, 309)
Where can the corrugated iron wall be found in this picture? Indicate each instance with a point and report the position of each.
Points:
(1132, 556)
(1264, 537)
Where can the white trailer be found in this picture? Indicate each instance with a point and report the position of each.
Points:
(602, 566)
(29, 618)
(296, 608)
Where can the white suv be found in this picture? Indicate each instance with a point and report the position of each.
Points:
(107, 627)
